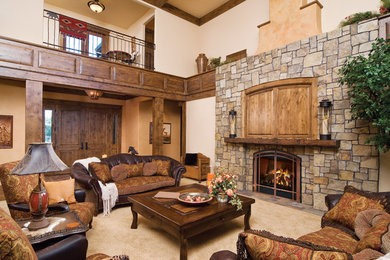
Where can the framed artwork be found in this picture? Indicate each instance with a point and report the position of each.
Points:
(6, 125)
(166, 133)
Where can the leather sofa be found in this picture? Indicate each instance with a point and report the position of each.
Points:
(336, 240)
(89, 182)
(15, 244)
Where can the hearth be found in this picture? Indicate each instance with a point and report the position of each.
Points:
(277, 173)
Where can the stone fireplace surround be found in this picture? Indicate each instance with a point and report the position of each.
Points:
(324, 170)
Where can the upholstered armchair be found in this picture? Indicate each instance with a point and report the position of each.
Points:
(17, 190)
(197, 166)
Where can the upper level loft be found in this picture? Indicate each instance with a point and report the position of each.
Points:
(72, 35)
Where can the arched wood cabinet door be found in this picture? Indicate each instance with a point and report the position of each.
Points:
(79, 130)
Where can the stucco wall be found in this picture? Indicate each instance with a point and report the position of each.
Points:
(12, 102)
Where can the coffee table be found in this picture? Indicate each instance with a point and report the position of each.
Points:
(186, 221)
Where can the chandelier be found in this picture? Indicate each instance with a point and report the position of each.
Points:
(96, 6)
(94, 94)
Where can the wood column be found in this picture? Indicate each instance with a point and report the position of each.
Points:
(34, 98)
(158, 120)
(183, 133)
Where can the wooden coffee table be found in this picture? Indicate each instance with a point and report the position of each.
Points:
(186, 221)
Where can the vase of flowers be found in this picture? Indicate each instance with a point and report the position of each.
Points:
(224, 187)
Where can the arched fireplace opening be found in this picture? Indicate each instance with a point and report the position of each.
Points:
(277, 173)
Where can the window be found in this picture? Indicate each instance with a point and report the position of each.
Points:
(73, 44)
(48, 125)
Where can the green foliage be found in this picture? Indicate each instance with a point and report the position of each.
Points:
(369, 90)
(216, 62)
(358, 17)
(386, 3)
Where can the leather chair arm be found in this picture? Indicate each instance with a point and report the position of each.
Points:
(79, 194)
(331, 200)
(223, 255)
(19, 206)
(177, 171)
(81, 174)
(73, 247)
(52, 209)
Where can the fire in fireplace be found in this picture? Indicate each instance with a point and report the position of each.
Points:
(277, 173)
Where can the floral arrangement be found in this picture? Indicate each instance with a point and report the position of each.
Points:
(385, 7)
(225, 183)
(358, 17)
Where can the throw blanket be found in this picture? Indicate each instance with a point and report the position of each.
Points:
(109, 190)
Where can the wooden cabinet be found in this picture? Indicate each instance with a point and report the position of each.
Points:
(282, 109)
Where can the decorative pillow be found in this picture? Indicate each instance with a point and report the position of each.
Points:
(13, 242)
(367, 254)
(350, 204)
(163, 167)
(264, 245)
(118, 172)
(376, 238)
(60, 191)
(134, 170)
(101, 171)
(150, 168)
(365, 220)
(17, 188)
(331, 237)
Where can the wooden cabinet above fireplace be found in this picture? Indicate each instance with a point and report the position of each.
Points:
(281, 109)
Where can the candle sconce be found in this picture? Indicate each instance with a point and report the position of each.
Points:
(232, 122)
(325, 111)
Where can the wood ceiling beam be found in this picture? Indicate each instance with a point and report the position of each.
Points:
(220, 10)
(180, 13)
(157, 3)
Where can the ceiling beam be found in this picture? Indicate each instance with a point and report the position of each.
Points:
(180, 13)
(157, 3)
(220, 10)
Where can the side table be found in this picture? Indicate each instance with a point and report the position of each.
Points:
(60, 225)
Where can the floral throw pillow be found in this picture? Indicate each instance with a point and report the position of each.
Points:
(163, 167)
(101, 171)
(134, 170)
(349, 206)
(13, 242)
(264, 245)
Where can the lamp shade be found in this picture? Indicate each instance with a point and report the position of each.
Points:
(40, 158)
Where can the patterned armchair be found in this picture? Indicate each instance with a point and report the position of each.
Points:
(17, 190)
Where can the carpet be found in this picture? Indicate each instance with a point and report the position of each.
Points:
(112, 234)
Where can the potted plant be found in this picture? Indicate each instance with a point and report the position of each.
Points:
(369, 90)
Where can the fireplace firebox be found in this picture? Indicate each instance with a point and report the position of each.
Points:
(277, 173)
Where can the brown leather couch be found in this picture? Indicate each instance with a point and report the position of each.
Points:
(93, 192)
(330, 201)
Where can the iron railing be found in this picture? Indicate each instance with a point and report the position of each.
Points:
(97, 42)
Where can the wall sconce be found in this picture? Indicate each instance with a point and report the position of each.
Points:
(94, 94)
(96, 6)
(325, 109)
(232, 122)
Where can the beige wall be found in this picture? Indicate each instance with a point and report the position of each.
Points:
(201, 127)
(22, 20)
(13, 102)
(235, 30)
(384, 172)
(171, 115)
(335, 11)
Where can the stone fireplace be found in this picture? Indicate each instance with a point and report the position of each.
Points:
(325, 167)
(277, 173)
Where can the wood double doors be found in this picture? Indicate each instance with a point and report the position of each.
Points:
(80, 130)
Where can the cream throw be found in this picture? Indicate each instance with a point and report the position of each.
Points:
(109, 191)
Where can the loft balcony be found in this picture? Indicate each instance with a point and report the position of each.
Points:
(75, 36)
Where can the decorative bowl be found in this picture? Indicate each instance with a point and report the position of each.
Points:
(194, 198)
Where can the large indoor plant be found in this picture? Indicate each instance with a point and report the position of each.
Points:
(367, 78)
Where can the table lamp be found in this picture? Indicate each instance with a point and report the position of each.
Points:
(40, 158)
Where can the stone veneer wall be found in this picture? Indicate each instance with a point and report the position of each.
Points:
(324, 170)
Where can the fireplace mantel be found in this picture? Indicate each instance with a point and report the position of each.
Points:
(287, 142)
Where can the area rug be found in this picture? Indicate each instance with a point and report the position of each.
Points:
(112, 234)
